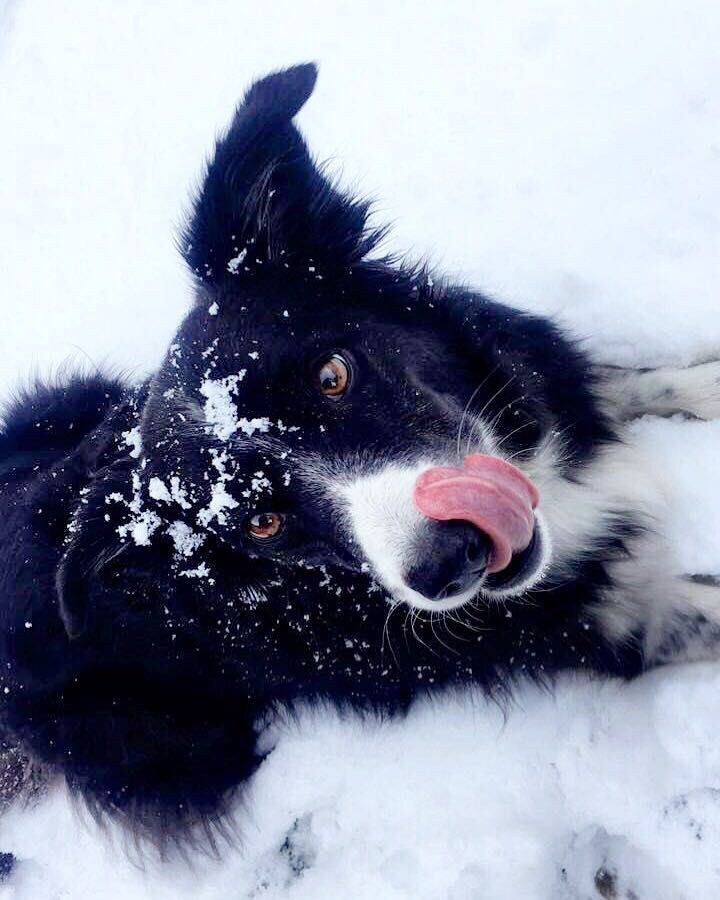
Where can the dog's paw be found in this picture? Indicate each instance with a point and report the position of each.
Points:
(701, 389)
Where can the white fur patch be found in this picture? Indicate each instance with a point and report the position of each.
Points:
(664, 392)
(385, 522)
(584, 507)
(618, 484)
(574, 513)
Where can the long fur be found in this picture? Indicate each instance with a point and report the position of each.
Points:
(145, 639)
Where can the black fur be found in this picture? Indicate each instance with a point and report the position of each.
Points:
(145, 683)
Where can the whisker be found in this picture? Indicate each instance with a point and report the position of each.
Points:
(524, 450)
(467, 611)
(496, 418)
(515, 431)
(497, 394)
(554, 438)
(446, 619)
(473, 625)
(437, 636)
(386, 634)
(408, 615)
(468, 404)
(413, 620)
(478, 418)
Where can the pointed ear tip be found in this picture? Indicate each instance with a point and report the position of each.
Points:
(306, 72)
(285, 92)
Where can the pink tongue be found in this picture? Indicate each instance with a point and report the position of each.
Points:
(489, 492)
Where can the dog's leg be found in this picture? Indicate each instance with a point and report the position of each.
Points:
(631, 393)
(694, 631)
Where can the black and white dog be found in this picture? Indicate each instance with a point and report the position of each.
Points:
(346, 482)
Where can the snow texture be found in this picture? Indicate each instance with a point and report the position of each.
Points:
(564, 156)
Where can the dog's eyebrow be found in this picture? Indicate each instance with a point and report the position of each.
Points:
(189, 412)
(193, 421)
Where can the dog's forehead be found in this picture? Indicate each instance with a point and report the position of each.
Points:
(243, 372)
(282, 325)
(264, 331)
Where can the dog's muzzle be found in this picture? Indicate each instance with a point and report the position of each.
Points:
(436, 537)
(481, 530)
(451, 558)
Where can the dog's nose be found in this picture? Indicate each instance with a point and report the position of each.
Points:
(450, 557)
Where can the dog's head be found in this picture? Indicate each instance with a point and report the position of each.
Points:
(324, 406)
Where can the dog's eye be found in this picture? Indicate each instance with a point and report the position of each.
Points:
(333, 376)
(265, 525)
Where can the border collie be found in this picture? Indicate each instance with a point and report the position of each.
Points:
(347, 482)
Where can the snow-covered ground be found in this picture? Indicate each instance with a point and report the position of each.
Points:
(563, 155)
(457, 803)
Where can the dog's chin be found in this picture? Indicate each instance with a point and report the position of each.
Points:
(525, 570)
(415, 600)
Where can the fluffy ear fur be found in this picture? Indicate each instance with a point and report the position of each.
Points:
(72, 601)
(75, 574)
(263, 200)
(93, 544)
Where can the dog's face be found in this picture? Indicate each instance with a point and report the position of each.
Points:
(321, 408)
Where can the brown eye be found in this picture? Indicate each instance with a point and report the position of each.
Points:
(265, 525)
(333, 376)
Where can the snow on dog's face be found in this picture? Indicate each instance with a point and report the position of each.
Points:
(322, 406)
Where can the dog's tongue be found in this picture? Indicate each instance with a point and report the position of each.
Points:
(489, 492)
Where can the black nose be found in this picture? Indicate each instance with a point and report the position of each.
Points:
(450, 557)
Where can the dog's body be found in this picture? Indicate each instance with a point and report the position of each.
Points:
(249, 528)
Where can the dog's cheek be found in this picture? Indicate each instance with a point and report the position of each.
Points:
(382, 520)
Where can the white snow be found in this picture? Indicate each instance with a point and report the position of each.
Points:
(235, 263)
(564, 156)
(456, 802)
(133, 439)
(200, 571)
(250, 426)
(158, 491)
(220, 410)
(142, 523)
(688, 452)
(186, 540)
(220, 499)
(142, 528)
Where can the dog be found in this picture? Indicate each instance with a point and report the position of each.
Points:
(349, 481)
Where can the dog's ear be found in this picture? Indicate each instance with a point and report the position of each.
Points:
(92, 544)
(264, 201)
(72, 594)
